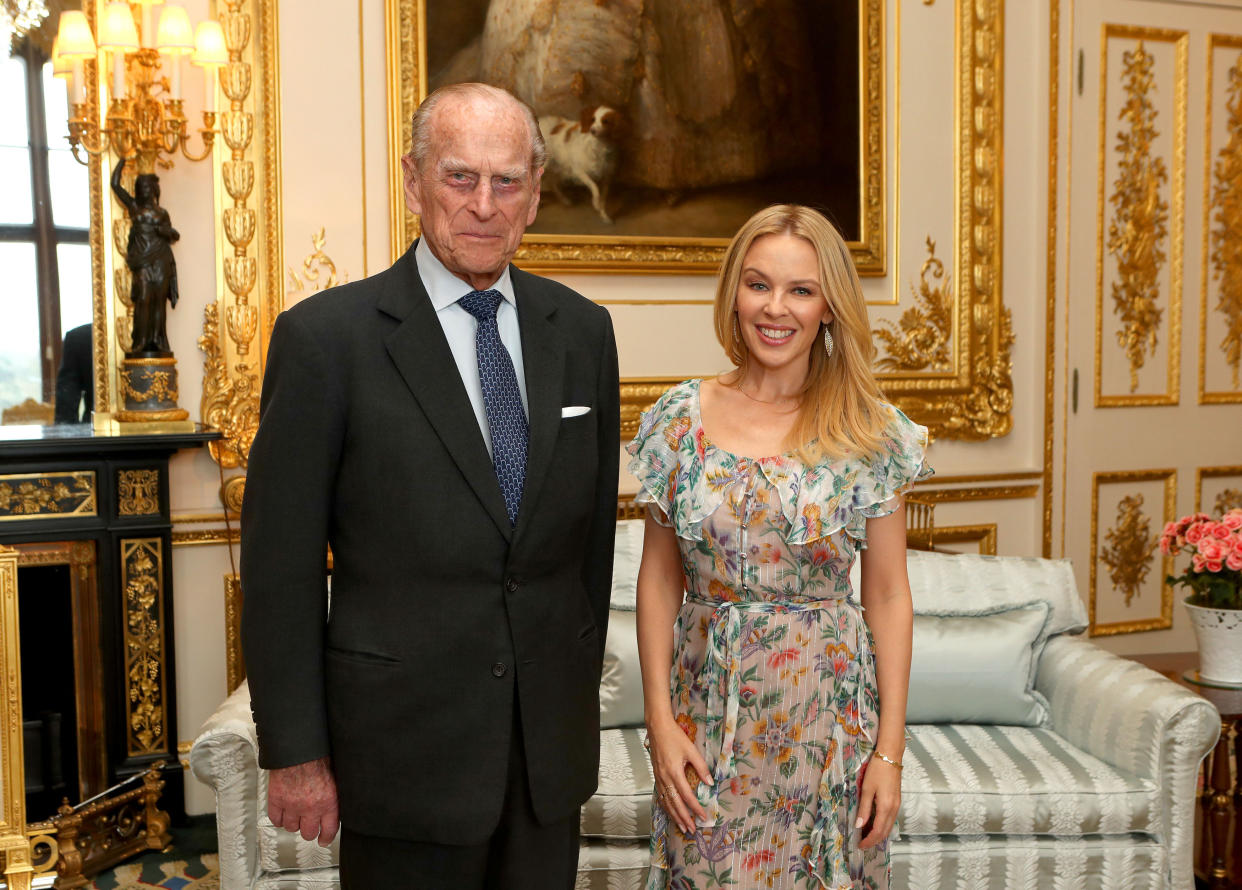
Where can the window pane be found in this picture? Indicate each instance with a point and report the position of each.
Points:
(13, 128)
(20, 374)
(55, 107)
(15, 204)
(74, 261)
(71, 205)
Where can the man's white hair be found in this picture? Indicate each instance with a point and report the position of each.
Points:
(421, 125)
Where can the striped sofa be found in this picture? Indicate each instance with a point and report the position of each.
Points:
(1099, 795)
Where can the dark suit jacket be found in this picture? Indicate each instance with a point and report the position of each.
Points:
(367, 441)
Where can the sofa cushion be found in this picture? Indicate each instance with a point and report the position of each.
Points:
(1014, 780)
(612, 865)
(944, 582)
(621, 684)
(621, 806)
(978, 666)
(627, 553)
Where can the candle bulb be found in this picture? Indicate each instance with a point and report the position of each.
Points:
(78, 80)
(174, 40)
(209, 88)
(118, 74)
(210, 53)
(174, 80)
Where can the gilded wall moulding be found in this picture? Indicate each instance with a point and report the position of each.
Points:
(318, 271)
(1129, 548)
(14, 847)
(47, 495)
(235, 665)
(651, 247)
(1222, 264)
(971, 398)
(1221, 496)
(1140, 240)
(921, 339)
(142, 579)
(1139, 229)
(236, 326)
(138, 492)
(1128, 554)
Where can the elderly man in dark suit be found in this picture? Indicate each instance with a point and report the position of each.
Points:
(450, 427)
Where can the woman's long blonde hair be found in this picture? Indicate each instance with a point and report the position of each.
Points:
(841, 409)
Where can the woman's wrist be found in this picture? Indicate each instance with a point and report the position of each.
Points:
(891, 761)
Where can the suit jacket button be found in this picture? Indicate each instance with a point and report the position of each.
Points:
(511, 585)
(499, 669)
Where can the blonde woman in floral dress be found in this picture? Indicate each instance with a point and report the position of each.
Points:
(776, 717)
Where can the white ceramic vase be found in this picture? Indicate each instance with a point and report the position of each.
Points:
(1219, 632)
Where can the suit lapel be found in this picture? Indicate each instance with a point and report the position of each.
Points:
(544, 357)
(421, 353)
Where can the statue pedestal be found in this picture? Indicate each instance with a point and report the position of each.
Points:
(149, 391)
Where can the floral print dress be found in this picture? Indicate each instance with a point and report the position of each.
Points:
(773, 677)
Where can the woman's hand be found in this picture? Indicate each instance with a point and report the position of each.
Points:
(881, 797)
(673, 759)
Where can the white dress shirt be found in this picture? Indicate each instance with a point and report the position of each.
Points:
(445, 289)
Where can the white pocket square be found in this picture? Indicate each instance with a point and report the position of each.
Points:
(574, 411)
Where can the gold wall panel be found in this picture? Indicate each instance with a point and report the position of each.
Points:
(1218, 489)
(1127, 570)
(26, 496)
(1050, 267)
(1139, 237)
(972, 396)
(1221, 290)
(238, 323)
(138, 492)
(983, 536)
(142, 580)
(15, 860)
(235, 665)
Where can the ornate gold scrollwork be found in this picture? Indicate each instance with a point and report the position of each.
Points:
(1128, 554)
(1139, 227)
(922, 337)
(162, 389)
(315, 264)
(1229, 499)
(142, 574)
(42, 495)
(138, 492)
(1226, 245)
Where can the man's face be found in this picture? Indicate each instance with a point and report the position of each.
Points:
(475, 192)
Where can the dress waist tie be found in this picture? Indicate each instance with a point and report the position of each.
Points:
(721, 677)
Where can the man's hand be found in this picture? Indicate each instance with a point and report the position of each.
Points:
(302, 798)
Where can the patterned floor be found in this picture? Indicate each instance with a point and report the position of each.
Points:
(166, 871)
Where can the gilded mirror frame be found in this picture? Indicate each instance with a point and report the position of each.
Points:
(248, 295)
(407, 74)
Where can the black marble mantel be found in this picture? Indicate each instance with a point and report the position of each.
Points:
(104, 499)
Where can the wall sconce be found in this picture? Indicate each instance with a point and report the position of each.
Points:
(145, 119)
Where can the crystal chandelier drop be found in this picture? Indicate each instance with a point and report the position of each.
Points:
(20, 17)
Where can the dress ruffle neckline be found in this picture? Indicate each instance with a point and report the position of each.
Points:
(688, 476)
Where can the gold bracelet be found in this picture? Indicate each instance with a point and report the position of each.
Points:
(887, 760)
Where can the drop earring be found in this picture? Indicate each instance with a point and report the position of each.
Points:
(737, 331)
(828, 341)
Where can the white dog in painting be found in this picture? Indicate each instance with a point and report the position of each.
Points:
(583, 151)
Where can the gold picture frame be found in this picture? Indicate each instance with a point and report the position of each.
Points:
(408, 74)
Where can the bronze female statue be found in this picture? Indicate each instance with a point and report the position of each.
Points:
(150, 259)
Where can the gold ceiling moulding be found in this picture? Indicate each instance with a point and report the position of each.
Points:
(1130, 551)
(406, 26)
(1222, 221)
(1138, 239)
(238, 323)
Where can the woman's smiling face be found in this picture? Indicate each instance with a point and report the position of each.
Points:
(781, 301)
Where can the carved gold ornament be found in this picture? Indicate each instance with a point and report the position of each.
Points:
(1131, 544)
(138, 492)
(1228, 499)
(1139, 228)
(316, 264)
(920, 340)
(162, 389)
(142, 577)
(47, 495)
(1226, 234)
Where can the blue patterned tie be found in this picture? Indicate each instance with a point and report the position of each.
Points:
(502, 400)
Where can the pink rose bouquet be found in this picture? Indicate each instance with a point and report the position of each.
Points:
(1215, 548)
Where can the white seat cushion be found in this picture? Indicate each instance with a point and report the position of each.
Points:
(620, 809)
(1015, 780)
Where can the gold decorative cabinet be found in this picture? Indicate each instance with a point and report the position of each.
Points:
(85, 520)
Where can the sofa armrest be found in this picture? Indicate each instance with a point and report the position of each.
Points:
(1132, 717)
(225, 756)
